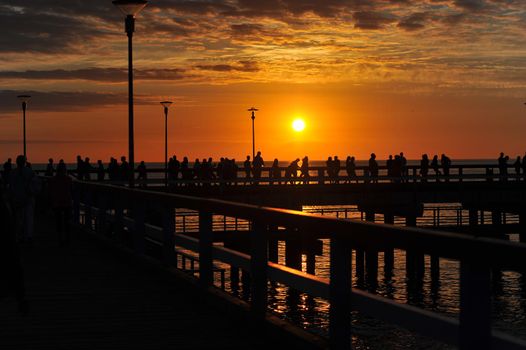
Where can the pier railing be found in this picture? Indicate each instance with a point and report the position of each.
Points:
(318, 175)
(125, 215)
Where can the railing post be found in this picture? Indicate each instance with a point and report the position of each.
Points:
(76, 205)
(87, 210)
(340, 294)
(258, 269)
(119, 223)
(169, 257)
(138, 227)
(475, 306)
(101, 214)
(206, 274)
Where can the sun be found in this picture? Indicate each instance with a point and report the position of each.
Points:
(298, 125)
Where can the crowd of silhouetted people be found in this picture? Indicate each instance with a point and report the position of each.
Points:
(394, 169)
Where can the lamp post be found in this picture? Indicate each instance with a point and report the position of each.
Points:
(130, 8)
(166, 104)
(24, 99)
(253, 110)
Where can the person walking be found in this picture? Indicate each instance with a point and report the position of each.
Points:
(60, 187)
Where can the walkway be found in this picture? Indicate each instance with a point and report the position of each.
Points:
(88, 297)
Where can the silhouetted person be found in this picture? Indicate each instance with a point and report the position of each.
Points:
(336, 166)
(23, 186)
(8, 166)
(524, 166)
(403, 167)
(62, 166)
(124, 170)
(330, 168)
(397, 171)
(257, 165)
(246, 167)
(50, 169)
(350, 167)
(446, 165)
(80, 168)
(186, 172)
(113, 170)
(389, 165)
(101, 173)
(292, 170)
(434, 165)
(304, 169)
(373, 168)
(142, 174)
(197, 168)
(60, 195)
(424, 167)
(275, 171)
(10, 264)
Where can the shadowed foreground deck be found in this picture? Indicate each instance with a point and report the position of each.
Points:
(88, 296)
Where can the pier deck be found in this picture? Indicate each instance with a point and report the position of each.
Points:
(86, 296)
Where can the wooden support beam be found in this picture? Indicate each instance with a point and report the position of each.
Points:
(206, 275)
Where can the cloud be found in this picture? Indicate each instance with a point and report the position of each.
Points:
(242, 66)
(415, 21)
(113, 75)
(372, 20)
(60, 101)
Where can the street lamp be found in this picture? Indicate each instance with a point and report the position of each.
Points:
(130, 8)
(166, 104)
(24, 99)
(253, 110)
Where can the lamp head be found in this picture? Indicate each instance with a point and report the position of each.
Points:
(130, 7)
(166, 104)
(23, 98)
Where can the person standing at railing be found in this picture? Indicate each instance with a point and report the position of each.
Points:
(304, 170)
(142, 174)
(389, 165)
(87, 169)
(124, 170)
(350, 167)
(257, 164)
(397, 168)
(373, 168)
(445, 161)
(292, 170)
(8, 166)
(60, 194)
(80, 168)
(101, 173)
(404, 174)
(424, 167)
(336, 165)
(329, 167)
(435, 167)
(62, 166)
(518, 165)
(50, 169)
(275, 172)
(23, 187)
(113, 170)
(524, 166)
(246, 167)
(503, 166)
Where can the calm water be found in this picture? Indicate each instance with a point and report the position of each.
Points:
(509, 295)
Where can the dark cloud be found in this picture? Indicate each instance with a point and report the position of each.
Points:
(413, 22)
(471, 5)
(64, 101)
(242, 66)
(372, 20)
(115, 75)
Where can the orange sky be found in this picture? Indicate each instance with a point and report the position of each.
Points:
(428, 76)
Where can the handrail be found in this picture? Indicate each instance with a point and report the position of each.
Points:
(476, 255)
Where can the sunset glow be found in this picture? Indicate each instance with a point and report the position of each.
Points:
(377, 76)
(298, 125)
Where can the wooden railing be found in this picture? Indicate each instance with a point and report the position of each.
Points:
(96, 206)
(318, 175)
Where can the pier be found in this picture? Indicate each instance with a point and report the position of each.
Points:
(122, 223)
